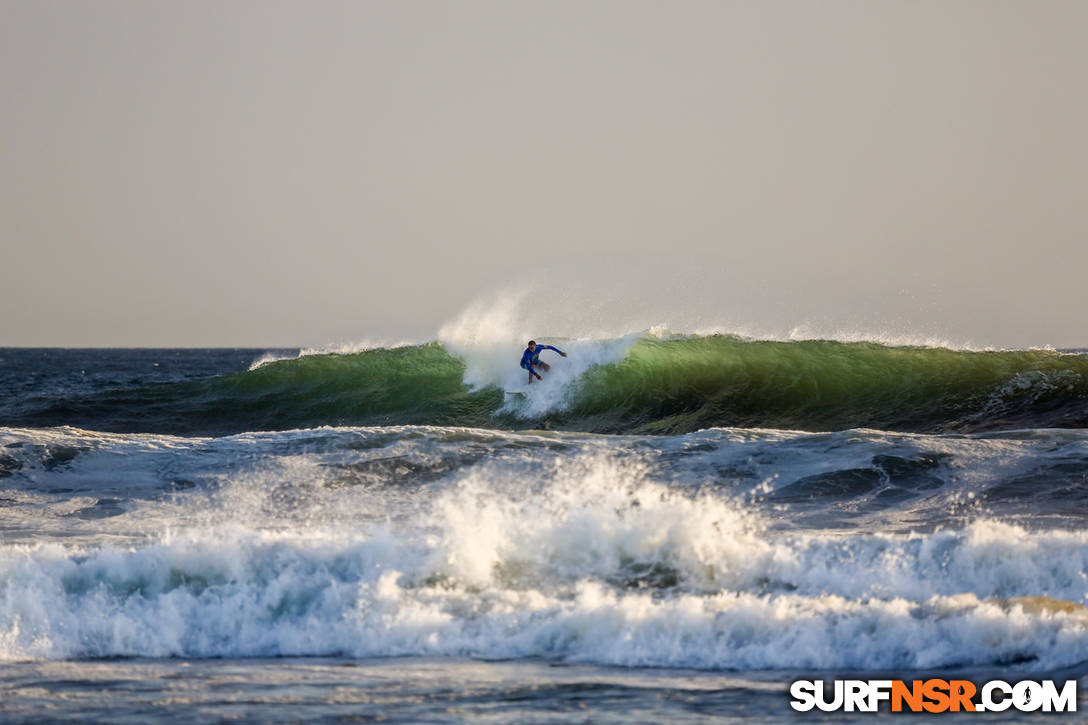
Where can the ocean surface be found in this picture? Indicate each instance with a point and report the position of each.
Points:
(668, 528)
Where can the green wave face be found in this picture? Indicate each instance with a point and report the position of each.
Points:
(659, 386)
(406, 385)
(683, 385)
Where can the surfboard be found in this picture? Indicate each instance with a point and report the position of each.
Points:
(518, 391)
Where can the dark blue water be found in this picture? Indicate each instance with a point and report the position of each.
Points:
(32, 379)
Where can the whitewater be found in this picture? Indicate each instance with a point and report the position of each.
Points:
(671, 526)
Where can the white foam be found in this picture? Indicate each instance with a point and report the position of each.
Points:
(489, 337)
(582, 558)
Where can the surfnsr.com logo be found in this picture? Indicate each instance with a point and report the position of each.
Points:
(933, 695)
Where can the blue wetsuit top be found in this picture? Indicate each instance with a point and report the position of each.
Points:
(531, 358)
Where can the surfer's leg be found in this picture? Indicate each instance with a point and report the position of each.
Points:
(544, 366)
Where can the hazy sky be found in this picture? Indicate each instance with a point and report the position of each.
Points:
(297, 173)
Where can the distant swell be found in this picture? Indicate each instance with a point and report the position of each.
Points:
(671, 385)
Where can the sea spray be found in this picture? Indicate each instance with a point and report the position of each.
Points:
(649, 551)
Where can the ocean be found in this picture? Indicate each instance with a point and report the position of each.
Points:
(668, 528)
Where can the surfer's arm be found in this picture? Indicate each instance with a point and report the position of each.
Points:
(541, 348)
(527, 363)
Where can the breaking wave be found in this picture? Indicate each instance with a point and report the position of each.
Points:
(640, 383)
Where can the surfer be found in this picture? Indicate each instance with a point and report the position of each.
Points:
(531, 358)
